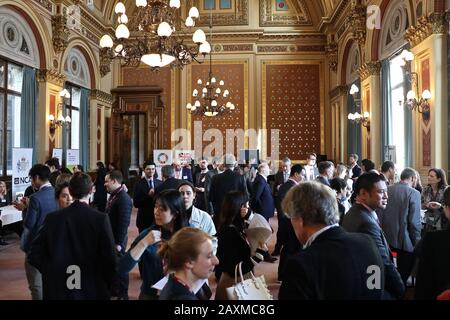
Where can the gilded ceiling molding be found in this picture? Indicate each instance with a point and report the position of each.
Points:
(371, 68)
(236, 47)
(331, 51)
(338, 91)
(102, 96)
(290, 48)
(269, 17)
(46, 4)
(51, 76)
(238, 17)
(356, 21)
(60, 33)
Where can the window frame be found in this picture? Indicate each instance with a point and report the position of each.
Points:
(4, 126)
(67, 111)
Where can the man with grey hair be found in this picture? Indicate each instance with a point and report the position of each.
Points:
(169, 181)
(333, 264)
(326, 170)
(401, 221)
(225, 182)
(262, 200)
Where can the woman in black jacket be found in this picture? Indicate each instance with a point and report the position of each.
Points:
(233, 246)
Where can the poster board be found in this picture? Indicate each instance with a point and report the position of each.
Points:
(22, 160)
(72, 158)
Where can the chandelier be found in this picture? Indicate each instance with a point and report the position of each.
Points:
(364, 118)
(157, 36)
(422, 104)
(211, 100)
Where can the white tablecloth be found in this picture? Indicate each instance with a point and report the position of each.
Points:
(9, 215)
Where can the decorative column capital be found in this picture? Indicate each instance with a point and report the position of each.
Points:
(105, 61)
(60, 33)
(331, 51)
(356, 21)
(51, 76)
(338, 91)
(371, 68)
(435, 23)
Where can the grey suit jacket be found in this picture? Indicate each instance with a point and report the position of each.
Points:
(401, 218)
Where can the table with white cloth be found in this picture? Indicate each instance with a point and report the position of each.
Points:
(9, 215)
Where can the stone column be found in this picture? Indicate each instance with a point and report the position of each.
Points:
(50, 83)
(371, 93)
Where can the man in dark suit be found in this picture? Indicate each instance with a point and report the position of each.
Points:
(280, 178)
(262, 200)
(326, 170)
(118, 208)
(181, 172)
(39, 205)
(169, 182)
(75, 249)
(199, 182)
(225, 182)
(371, 193)
(401, 221)
(144, 192)
(286, 239)
(433, 276)
(354, 170)
(334, 264)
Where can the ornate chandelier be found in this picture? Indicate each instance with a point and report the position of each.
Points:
(211, 100)
(157, 36)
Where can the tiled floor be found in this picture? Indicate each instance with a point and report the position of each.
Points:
(14, 284)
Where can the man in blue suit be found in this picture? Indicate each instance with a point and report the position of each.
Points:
(262, 200)
(40, 204)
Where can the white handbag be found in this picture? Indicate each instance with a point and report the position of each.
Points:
(254, 288)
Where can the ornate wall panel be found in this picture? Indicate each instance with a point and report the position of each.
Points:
(293, 102)
(143, 76)
(235, 76)
(426, 125)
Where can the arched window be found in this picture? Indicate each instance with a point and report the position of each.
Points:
(77, 107)
(18, 51)
(397, 20)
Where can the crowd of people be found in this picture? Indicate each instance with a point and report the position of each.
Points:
(344, 231)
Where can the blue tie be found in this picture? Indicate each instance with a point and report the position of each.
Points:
(150, 183)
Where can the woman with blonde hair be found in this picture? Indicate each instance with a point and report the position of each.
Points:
(189, 258)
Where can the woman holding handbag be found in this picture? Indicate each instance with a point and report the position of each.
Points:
(189, 255)
(233, 245)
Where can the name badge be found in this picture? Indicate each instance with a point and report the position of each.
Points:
(184, 177)
(203, 180)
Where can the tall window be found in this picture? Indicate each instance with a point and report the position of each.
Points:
(10, 103)
(398, 111)
(72, 109)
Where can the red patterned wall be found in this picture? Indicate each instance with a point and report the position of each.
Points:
(293, 106)
(51, 139)
(426, 130)
(141, 77)
(233, 76)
